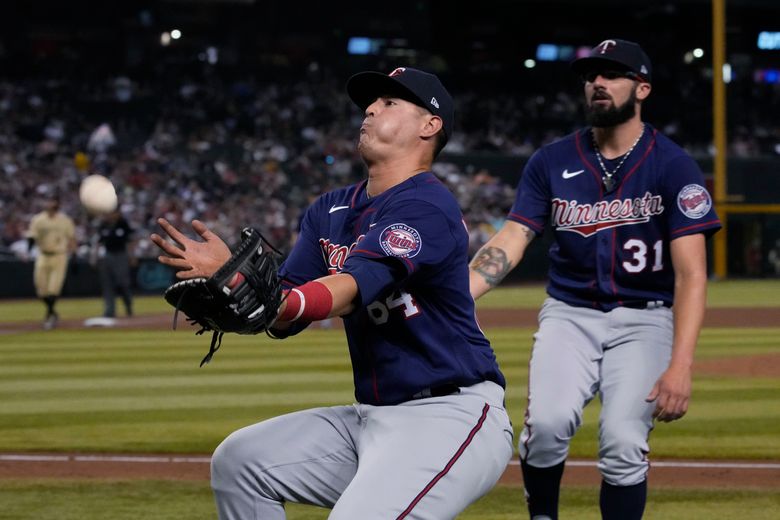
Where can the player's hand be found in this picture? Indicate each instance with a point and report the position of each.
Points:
(191, 258)
(671, 394)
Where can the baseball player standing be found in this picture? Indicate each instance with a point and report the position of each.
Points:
(630, 215)
(429, 433)
(54, 234)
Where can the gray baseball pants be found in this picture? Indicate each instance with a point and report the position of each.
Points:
(580, 352)
(425, 459)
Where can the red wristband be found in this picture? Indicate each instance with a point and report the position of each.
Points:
(311, 301)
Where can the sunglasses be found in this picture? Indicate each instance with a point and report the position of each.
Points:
(590, 76)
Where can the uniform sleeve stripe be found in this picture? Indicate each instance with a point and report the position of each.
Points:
(367, 252)
(711, 223)
(533, 225)
(449, 464)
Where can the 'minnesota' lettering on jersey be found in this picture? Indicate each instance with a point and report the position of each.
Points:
(588, 219)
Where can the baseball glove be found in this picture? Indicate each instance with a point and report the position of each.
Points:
(249, 307)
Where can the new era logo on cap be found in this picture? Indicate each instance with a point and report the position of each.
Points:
(434, 102)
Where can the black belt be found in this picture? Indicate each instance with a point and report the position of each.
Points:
(437, 391)
(643, 304)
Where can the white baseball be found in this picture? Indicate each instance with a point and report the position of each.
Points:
(97, 195)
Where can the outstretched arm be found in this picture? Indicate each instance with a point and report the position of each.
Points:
(325, 297)
(328, 296)
(673, 389)
(498, 257)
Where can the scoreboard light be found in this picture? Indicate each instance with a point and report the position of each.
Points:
(769, 40)
(361, 45)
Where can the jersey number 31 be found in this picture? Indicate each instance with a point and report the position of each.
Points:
(638, 261)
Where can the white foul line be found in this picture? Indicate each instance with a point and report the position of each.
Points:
(103, 458)
(682, 464)
(148, 459)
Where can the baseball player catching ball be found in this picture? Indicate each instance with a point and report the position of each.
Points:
(630, 215)
(429, 433)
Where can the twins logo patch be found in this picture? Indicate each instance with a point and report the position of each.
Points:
(694, 201)
(400, 240)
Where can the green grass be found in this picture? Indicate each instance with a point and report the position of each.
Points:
(76, 308)
(163, 500)
(728, 293)
(138, 391)
(744, 293)
(142, 391)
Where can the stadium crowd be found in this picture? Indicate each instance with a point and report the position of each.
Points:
(253, 152)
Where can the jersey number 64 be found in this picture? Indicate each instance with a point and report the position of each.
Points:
(379, 311)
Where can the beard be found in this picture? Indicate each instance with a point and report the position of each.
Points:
(604, 117)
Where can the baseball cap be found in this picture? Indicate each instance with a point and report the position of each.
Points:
(609, 53)
(419, 87)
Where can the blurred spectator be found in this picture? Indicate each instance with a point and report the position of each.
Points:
(252, 149)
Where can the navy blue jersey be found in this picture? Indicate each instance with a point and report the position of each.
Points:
(612, 248)
(414, 327)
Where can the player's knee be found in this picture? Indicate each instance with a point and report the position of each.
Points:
(545, 440)
(234, 466)
(553, 427)
(225, 463)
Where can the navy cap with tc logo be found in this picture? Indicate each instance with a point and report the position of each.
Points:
(615, 53)
(419, 87)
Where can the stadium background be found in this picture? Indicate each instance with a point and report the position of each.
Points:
(234, 111)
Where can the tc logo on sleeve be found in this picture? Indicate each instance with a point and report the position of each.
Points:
(400, 240)
(694, 201)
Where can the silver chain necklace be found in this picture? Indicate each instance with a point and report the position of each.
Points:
(609, 181)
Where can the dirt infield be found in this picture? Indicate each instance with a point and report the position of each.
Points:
(718, 317)
(196, 467)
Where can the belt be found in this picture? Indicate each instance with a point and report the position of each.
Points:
(642, 304)
(437, 391)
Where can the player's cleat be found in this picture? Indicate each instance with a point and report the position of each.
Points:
(50, 322)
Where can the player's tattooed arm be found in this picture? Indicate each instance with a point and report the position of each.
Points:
(498, 257)
(491, 263)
